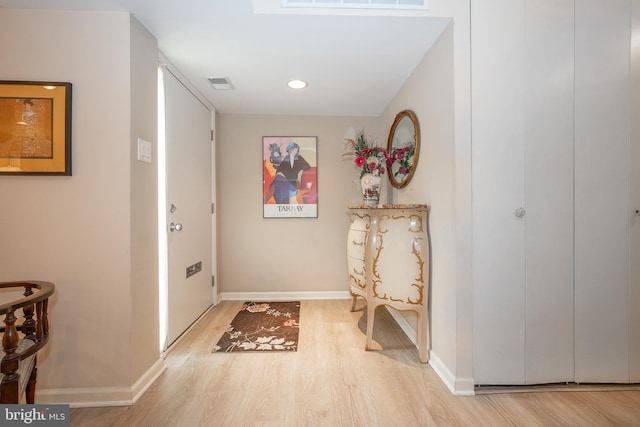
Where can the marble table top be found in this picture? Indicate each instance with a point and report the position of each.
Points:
(394, 206)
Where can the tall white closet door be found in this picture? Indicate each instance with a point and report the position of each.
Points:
(602, 173)
(548, 112)
(522, 76)
(556, 292)
(498, 191)
(634, 321)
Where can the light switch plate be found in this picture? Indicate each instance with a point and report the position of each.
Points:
(144, 151)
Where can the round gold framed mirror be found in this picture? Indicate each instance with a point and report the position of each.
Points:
(404, 146)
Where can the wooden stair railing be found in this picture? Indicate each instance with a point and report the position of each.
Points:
(21, 342)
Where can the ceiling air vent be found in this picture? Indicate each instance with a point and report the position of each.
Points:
(365, 4)
(220, 83)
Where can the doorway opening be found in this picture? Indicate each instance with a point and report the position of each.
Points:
(163, 281)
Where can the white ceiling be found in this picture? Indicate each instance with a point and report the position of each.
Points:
(354, 60)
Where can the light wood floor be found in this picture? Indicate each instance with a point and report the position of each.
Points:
(332, 381)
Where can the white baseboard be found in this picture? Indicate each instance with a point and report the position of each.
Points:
(148, 378)
(404, 325)
(283, 296)
(86, 396)
(102, 396)
(464, 387)
(457, 386)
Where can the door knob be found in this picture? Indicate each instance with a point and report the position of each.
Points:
(175, 227)
(520, 212)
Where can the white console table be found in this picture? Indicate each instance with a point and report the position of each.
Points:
(388, 262)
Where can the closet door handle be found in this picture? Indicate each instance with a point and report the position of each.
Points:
(520, 213)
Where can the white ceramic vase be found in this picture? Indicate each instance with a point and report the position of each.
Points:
(370, 190)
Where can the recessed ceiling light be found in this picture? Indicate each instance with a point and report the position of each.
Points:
(49, 87)
(297, 84)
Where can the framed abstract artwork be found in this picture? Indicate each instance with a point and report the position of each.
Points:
(289, 177)
(35, 128)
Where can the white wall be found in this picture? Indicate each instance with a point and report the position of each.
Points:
(144, 201)
(457, 371)
(283, 254)
(439, 92)
(429, 93)
(92, 234)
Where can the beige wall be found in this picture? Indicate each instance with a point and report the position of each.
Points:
(92, 234)
(144, 202)
(439, 91)
(283, 254)
(455, 367)
(429, 93)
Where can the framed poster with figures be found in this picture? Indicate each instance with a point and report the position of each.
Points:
(289, 178)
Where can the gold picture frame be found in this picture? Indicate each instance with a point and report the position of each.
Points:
(404, 146)
(35, 128)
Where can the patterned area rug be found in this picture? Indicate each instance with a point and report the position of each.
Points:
(262, 326)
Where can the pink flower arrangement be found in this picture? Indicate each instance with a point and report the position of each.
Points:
(404, 159)
(368, 159)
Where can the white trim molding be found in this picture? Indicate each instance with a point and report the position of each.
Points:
(457, 386)
(283, 296)
(102, 396)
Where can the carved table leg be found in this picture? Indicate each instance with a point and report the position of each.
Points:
(371, 312)
(422, 337)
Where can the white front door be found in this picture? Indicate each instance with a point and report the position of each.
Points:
(189, 192)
